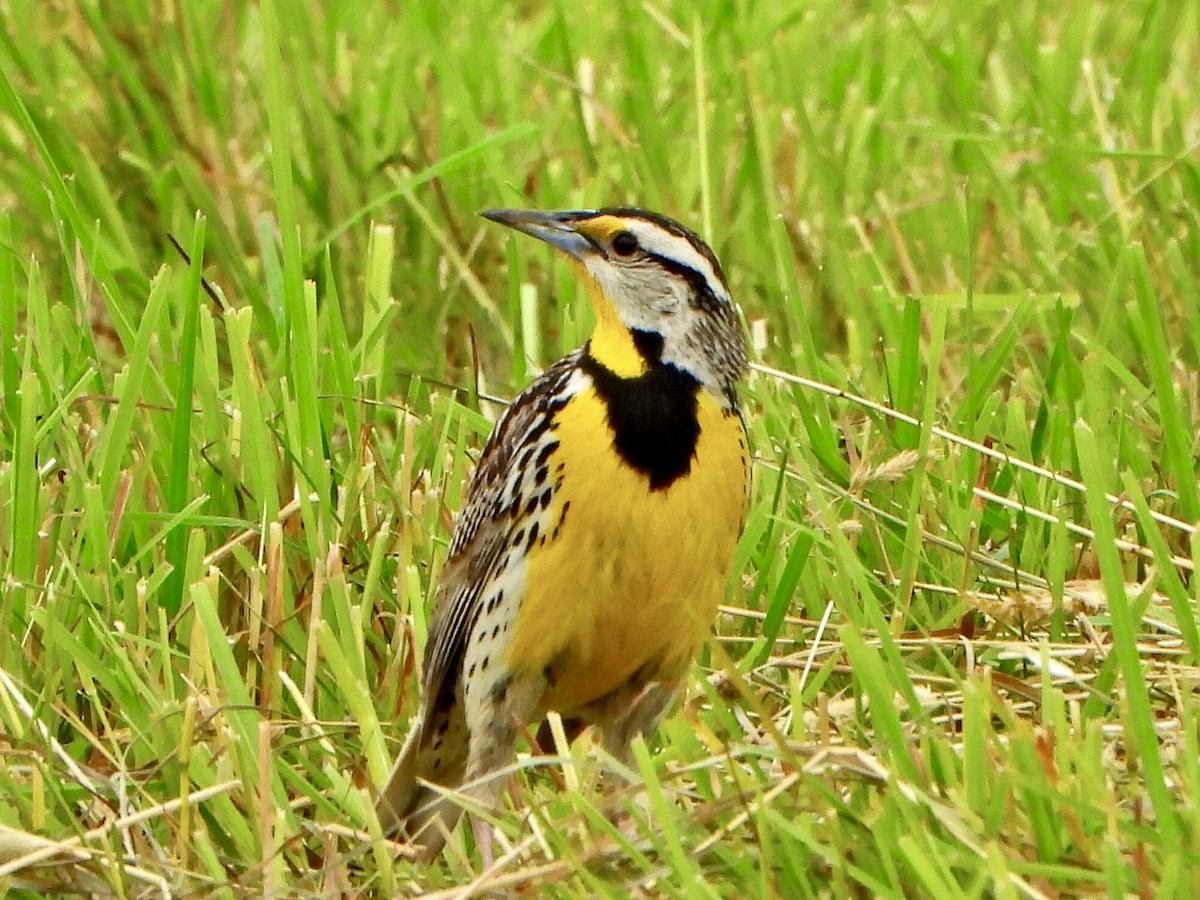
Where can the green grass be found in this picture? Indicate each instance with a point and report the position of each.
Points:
(962, 655)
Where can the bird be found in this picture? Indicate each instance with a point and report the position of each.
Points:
(597, 533)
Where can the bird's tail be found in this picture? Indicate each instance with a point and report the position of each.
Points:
(408, 806)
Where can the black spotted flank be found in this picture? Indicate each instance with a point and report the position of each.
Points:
(652, 417)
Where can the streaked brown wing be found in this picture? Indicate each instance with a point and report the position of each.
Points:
(482, 534)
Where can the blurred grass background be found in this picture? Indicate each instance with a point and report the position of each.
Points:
(961, 656)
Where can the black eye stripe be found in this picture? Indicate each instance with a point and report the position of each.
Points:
(702, 292)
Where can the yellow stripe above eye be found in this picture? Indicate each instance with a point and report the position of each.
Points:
(601, 227)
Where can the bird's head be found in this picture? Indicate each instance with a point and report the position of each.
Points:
(657, 289)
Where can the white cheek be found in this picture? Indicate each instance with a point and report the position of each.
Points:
(605, 277)
(668, 306)
(659, 309)
(639, 298)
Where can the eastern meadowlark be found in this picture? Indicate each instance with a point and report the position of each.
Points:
(599, 528)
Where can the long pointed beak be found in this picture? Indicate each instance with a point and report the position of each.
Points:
(555, 228)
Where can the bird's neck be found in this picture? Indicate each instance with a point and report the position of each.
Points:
(613, 345)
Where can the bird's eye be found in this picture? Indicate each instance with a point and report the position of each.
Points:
(624, 244)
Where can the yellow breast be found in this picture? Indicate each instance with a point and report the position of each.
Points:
(628, 578)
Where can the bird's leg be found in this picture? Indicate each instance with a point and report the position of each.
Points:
(496, 716)
(484, 836)
(640, 716)
(636, 708)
